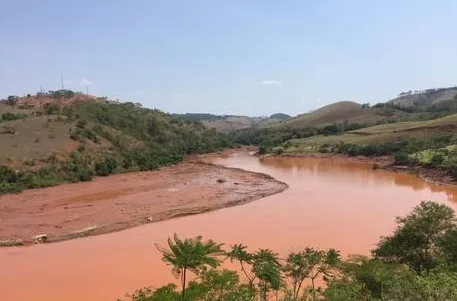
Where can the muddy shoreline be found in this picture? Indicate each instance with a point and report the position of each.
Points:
(429, 175)
(124, 201)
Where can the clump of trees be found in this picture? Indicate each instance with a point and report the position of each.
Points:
(416, 262)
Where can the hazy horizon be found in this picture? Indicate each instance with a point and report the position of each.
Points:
(251, 58)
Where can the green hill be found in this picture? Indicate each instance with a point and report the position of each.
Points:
(385, 133)
(342, 112)
(48, 140)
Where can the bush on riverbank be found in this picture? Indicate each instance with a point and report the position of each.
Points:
(436, 152)
(416, 262)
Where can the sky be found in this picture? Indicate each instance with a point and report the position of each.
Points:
(249, 57)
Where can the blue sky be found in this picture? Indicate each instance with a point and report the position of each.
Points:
(253, 57)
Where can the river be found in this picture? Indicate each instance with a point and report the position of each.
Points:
(330, 202)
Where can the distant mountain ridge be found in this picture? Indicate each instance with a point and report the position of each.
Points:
(228, 123)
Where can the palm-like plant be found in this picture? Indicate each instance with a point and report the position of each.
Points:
(238, 253)
(190, 254)
(267, 269)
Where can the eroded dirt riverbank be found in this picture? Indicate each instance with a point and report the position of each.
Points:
(126, 200)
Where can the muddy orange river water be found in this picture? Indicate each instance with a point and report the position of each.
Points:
(330, 203)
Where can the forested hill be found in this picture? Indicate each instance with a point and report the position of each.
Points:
(230, 123)
(62, 136)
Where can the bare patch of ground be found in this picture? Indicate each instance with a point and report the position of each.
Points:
(126, 200)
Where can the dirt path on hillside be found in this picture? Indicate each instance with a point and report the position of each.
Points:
(126, 200)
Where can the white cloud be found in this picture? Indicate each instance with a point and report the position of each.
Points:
(139, 92)
(271, 82)
(86, 82)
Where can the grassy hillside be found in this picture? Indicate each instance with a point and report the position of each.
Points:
(392, 132)
(342, 112)
(438, 98)
(333, 119)
(69, 139)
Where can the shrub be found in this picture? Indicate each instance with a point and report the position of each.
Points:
(278, 150)
(7, 175)
(74, 135)
(10, 188)
(106, 167)
(91, 136)
(262, 150)
(437, 159)
(11, 116)
(51, 109)
(81, 124)
(81, 147)
(85, 174)
(401, 158)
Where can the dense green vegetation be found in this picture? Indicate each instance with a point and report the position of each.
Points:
(8, 116)
(111, 138)
(417, 261)
(267, 138)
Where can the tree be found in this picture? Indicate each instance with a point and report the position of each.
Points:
(215, 285)
(267, 269)
(321, 263)
(415, 241)
(297, 268)
(12, 100)
(377, 280)
(448, 249)
(238, 253)
(190, 254)
(364, 279)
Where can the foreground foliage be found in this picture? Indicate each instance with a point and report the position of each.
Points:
(417, 262)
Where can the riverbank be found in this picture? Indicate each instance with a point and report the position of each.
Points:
(127, 200)
(429, 175)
